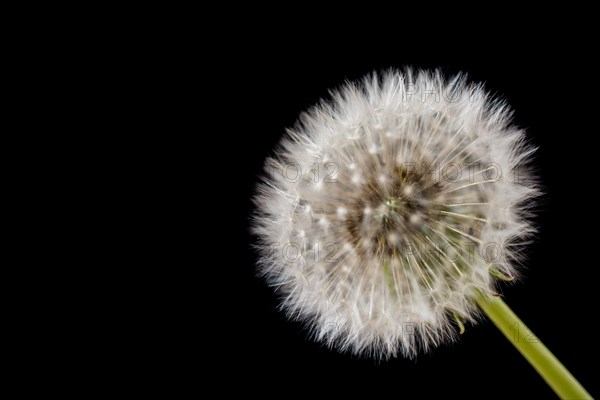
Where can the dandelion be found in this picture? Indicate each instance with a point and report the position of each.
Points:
(390, 212)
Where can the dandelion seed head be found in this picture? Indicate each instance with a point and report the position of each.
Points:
(393, 200)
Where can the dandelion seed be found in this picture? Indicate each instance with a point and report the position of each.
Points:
(397, 274)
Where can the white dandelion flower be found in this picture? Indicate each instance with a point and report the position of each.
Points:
(388, 208)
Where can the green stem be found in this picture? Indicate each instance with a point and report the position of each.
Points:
(545, 363)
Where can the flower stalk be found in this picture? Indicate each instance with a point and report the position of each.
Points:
(545, 363)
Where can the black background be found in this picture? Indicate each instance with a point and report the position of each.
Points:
(272, 81)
